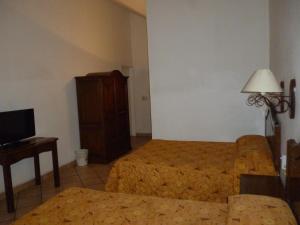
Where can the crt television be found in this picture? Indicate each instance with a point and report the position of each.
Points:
(16, 125)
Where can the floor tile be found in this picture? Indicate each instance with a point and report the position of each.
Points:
(5, 216)
(98, 187)
(32, 191)
(28, 201)
(66, 181)
(103, 171)
(137, 142)
(86, 172)
(6, 222)
(68, 170)
(65, 172)
(3, 207)
(91, 181)
(47, 194)
(22, 211)
(45, 198)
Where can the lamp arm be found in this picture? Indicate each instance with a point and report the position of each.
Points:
(280, 101)
(272, 101)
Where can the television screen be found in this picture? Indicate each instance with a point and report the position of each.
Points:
(16, 125)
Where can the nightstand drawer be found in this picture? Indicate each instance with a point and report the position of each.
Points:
(262, 185)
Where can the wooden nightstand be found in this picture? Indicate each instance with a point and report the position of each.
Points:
(262, 185)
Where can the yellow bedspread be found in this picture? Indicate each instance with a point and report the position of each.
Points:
(205, 171)
(79, 206)
(259, 210)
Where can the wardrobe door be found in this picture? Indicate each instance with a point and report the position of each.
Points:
(122, 114)
(88, 96)
(109, 112)
(89, 113)
(90, 138)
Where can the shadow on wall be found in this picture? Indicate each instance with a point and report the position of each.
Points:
(40, 54)
(36, 70)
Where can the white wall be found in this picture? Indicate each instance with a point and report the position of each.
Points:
(43, 45)
(140, 74)
(285, 57)
(201, 54)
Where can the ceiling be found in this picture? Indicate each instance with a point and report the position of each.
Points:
(138, 6)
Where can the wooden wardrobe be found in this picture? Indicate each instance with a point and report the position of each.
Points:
(103, 115)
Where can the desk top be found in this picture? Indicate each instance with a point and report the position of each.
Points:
(26, 148)
(30, 142)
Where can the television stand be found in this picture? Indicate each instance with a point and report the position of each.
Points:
(27, 149)
(14, 144)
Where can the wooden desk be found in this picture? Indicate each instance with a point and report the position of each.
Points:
(26, 149)
(262, 185)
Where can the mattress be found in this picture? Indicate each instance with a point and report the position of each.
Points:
(205, 171)
(78, 206)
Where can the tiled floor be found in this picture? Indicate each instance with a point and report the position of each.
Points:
(92, 176)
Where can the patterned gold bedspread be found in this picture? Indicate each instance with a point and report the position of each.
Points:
(258, 210)
(79, 206)
(205, 171)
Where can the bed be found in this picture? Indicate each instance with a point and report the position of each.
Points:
(78, 206)
(204, 171)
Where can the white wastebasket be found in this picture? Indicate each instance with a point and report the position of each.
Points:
(81, 157)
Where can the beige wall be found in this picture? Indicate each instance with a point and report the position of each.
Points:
(138, 6)
(43, 45)
(285, 57)
(201, 54)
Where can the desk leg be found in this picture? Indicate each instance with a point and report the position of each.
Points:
(37, 169)
(55, 166)
(9, 193)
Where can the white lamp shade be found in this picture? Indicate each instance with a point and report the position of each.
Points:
(262, 81)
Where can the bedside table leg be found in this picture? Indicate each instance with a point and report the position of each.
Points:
(9, 193)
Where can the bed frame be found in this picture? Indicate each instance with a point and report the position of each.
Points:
(293, 177)
(273, 135)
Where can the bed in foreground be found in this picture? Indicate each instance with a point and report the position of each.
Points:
(78, 206)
